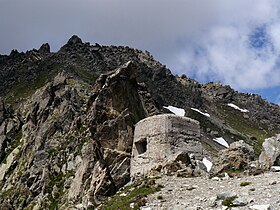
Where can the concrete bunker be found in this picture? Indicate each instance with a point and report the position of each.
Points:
(158, 138)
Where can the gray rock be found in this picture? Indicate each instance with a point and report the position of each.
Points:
(270, 152)
(237, 156)
(260, 207)
(224, 195)
(239, 201)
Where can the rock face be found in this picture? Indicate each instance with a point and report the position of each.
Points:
(160, 138)
(75, 145)
(270, 155)
(235, 158)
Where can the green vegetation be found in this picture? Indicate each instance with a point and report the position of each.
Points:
(25, 88)
(58, 181)
(136, 194)
(234, 171)
(21, 192)
(159, 197)
(236, 120)
(228, 201)
(84, 74)
(243, 184)
(12, 145)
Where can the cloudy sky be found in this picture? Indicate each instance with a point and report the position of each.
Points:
(236, 42)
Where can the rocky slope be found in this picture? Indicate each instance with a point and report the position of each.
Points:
(253, 192)
(67, 120)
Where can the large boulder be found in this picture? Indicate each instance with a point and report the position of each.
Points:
(237, 157)
(270, 154)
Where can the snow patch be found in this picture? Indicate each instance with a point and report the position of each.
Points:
(175, 110)
(207, 163)
(221, 141)
(237, 108)
(203, 113)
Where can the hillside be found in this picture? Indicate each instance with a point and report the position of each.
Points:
(67, 120)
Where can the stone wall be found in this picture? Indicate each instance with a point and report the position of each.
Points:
(158, 138)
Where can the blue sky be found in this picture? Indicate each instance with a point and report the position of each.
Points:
(236, 42)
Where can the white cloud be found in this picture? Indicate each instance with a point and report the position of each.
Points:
(226, 54)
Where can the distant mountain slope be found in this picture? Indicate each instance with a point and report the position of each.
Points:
(67, 120)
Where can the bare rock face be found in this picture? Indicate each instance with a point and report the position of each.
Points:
(270, 152)
(113, 109)
(158, 139)
(75, 143)
(237, 157)
(2, 111)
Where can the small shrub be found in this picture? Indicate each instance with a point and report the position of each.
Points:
(228, 201)
(159, 197)
(136, 193)
(243, 184)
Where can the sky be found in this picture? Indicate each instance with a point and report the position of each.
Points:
(236, 42)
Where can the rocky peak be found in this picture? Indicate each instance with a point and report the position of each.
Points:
(45, 48)
(216, 91)
(14, 53)
(74, 40)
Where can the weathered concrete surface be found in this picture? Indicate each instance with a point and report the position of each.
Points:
(158, 138)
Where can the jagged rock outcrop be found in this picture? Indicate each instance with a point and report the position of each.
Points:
(270, 155)
(237, 157)
(113, 109)
(76, 142)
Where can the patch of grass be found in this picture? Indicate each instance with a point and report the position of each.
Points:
(12, 145)
(252, 189)
(57, 180)
(7, 193)
(54, 203)
(234, 171)
(135, 194)
(23, 89)
(243, 184)
(244, 126)
(84, 74)
(52, 152)
(228, 201)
